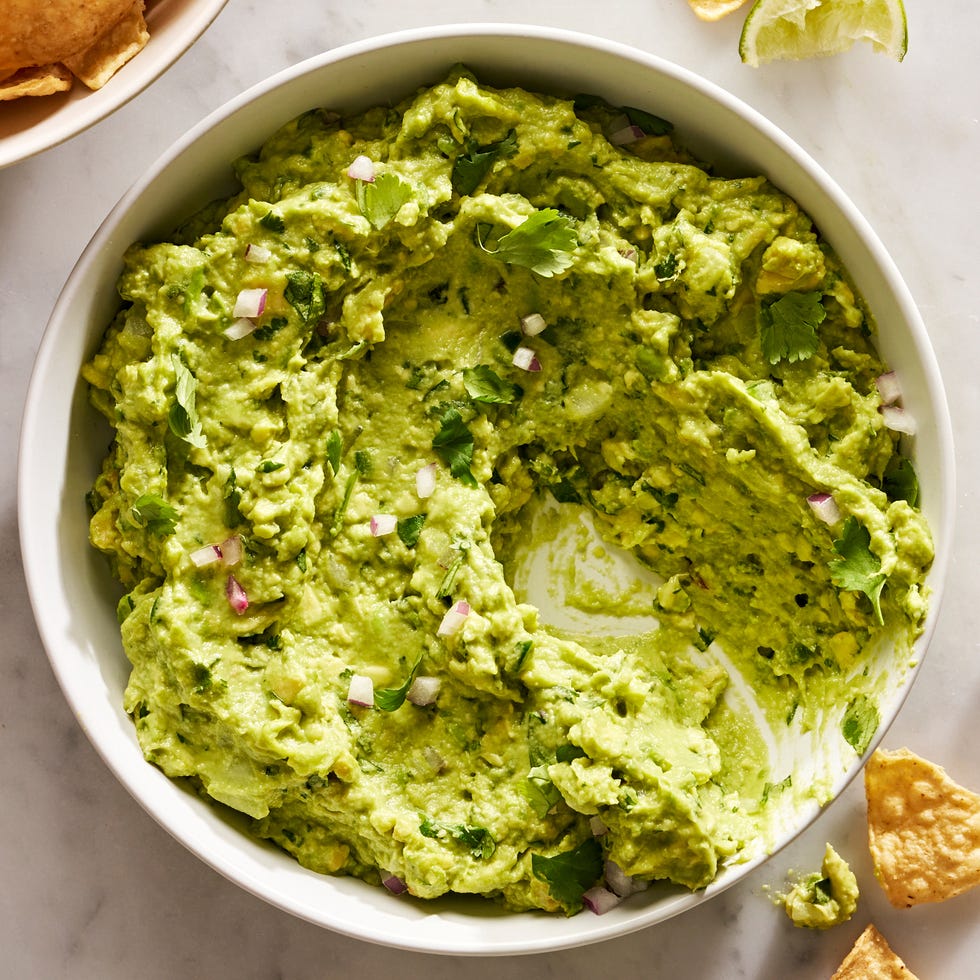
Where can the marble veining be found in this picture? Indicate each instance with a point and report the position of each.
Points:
(91, 887)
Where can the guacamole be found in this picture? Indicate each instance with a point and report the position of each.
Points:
(345, 402)
(824, 898)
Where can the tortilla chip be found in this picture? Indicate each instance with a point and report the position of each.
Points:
(923, 829)
(43, 80)
(871, 958)
(34, 33)
(714, 9)
(125, 39)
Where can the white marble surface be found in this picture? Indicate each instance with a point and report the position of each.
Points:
(91, 887)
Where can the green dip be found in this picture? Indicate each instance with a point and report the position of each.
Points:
(824, 898)
(542, 323)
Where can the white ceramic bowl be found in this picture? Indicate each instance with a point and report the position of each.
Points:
(63, 441)
(35, 123)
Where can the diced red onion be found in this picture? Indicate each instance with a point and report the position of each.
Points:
(598, 826)
(231, 550)
(898, 419)
(250, 302)
(526, 359)
(626, 135)
(382, 524)
(362, 168)
(533, 324)
(888, 388)
(425, 481)
(207, 555)
(237, 598)
(394, 884)
(239, 328)
(257, 254)
(825, 507)
(600, 900)
(361, 691)
(618, 881)
(454, 619)
(424, 690)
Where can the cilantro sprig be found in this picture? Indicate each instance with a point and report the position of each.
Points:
(788, 327)
(472, 165)
(543, 242)
(183, 419)
(392, 698)
(571, 873)
(453, 444)
(380, 200)
(859, 568)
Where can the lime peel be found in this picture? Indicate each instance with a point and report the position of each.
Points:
(797, 29)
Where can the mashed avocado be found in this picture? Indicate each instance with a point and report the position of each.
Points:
(825, 898)
(340, 398)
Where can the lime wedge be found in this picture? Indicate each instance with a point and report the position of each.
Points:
(795, 29)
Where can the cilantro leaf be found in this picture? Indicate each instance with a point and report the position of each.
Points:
(479, 840)
(543, 243)
(540, 792)
(900, 481)
(860, 722)
(788, 327)
(182, 419)
(304, 292)
(155, 514)
(381, 200)
(453, 444)
(858, 569)
(484, 385)
(392, 698)
(570, 873)
(409, 529)
(471, 167)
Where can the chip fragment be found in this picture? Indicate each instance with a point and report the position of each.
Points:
(714, 9)
(871, 958)
(923, 829)
(40, 80)
(126, 38)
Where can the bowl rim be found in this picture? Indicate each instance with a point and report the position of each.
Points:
(32, 449)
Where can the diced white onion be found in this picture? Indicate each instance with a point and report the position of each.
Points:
(425, 481)
(898, 419)
(598, 826)
(533, 324)
(600, 900)
(626, 135)
(424, 690)
(526, 359)
(362, 168)
(888, 388)
(207, 555)
(250, 302)
(257, 254)
(382, 524)
(618, 881)
(454, 619)
(231, 550)
(361, 691)
(824, 507)
(239, 328)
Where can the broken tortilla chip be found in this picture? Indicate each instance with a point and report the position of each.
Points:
(923, 829)
(42, 80)
(714, 9)
(97, 64)
(871, 958)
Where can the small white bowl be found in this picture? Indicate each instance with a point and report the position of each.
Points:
(35, 123)
(63, 441)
